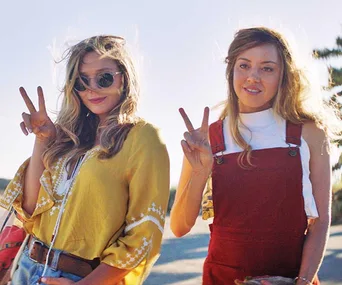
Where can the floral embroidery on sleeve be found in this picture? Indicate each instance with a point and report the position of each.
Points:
(207, 201)
(14, 189)
(142, 225)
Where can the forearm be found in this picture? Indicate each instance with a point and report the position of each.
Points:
(104, 274)
(32, 175)
(314, 248)
(188, 199)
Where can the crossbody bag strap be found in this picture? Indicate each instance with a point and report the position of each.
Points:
(10, 212)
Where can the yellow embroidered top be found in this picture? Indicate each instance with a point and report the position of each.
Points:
(115, 208)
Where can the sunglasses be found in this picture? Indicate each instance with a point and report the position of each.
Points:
(102, 80)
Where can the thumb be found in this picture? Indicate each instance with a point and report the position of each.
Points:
(186, 148)
(52, 281)
(187, 152)
(49, 280)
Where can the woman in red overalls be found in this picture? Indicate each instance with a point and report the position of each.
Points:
(260, 224)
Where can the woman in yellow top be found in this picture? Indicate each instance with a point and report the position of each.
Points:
(94, 193)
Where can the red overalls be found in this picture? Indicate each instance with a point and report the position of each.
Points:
(259, 218)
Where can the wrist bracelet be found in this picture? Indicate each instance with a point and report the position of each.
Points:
(303, 279)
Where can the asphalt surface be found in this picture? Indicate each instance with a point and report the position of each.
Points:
(181, 259)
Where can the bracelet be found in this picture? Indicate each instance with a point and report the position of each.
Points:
(303, 279)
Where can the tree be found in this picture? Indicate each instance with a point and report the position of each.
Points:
(335, 80)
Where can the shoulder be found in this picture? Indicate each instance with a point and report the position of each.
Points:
(312, 133)
(314, 136)
(145, 142)
(146, 132)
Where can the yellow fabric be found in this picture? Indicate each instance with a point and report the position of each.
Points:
(115, 209)
(207, 201)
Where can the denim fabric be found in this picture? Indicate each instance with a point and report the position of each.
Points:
(28, 272)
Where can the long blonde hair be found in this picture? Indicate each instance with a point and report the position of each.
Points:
(292, 101)
(76, 126)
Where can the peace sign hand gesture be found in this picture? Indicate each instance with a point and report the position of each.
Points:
(196, 145)
(37, 122)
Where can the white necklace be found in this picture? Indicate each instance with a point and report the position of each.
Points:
(67, 188)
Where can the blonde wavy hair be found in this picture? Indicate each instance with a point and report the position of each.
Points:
(76, 126)
(293, 100)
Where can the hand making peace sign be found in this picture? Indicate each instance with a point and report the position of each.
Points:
(196, 145)
(37, 122)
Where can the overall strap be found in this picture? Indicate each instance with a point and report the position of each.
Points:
(216, 136)
(293, 133)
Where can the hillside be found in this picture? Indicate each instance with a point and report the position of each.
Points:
(3, 183)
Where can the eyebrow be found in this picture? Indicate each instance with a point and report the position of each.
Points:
(266, 61)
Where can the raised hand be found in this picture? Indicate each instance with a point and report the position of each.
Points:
(37, 122)
(196, 145)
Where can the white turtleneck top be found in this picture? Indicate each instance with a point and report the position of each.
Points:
(266, 129)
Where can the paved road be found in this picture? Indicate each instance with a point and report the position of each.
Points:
(181, 260)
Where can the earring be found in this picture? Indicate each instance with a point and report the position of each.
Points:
(88, 114)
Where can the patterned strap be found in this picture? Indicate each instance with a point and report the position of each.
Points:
(10, 212)
(216, 136)
(293, 133)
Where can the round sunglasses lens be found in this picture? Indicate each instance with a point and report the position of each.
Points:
(79, 85)
(105, 80)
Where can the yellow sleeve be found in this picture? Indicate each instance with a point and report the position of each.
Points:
(13, 194)
(207, 201)
(148, 180)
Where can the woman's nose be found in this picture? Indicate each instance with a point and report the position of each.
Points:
(92, 83)
(253, 76)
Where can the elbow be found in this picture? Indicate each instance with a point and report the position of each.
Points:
(28, 210)
(323, 220)
(320, 225)
(178, 227)
(178, 232)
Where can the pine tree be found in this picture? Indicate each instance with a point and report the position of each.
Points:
(335, 80)
(335, 73)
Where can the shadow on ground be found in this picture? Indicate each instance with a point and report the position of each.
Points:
(182, 250)
(188, 247)
(168, 279)
(331, 269)
(336, 234)
(181, 260)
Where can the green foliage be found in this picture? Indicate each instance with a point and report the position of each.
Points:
(335, 79)
(335, 82)
(336, 208)
(337, 186)
(327, 53)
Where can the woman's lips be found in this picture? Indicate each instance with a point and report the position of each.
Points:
(252, 91)
(97, 100)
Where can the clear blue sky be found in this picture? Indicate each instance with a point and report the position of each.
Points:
(179, 47)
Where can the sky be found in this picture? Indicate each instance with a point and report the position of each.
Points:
(179, 48)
